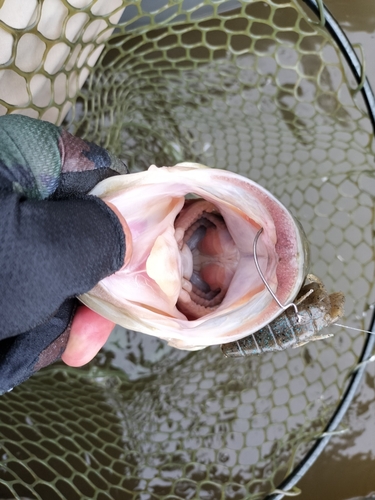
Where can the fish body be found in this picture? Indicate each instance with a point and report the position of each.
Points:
(191, 279)
(316, 311)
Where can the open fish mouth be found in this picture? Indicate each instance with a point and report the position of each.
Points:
(191, 279)
(209, 255)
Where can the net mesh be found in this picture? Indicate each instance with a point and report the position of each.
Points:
(255, 87)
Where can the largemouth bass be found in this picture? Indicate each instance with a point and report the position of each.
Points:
(191, 279)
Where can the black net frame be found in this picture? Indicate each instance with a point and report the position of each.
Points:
(355, 380)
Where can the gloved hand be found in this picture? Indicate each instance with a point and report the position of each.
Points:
(56, 242)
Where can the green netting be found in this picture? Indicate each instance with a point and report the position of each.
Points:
(174, 434)
(255, 87)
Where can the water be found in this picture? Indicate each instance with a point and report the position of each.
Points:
(345, 469)
(358, 21)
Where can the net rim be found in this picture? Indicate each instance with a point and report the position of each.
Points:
(332, 26)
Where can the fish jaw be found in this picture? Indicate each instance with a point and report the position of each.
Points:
(143, 295)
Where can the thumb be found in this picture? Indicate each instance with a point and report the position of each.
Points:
(89, 332)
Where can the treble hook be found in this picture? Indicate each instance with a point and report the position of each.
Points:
(291, 304)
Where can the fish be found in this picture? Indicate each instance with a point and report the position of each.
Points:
(191, 279)
(316, 310)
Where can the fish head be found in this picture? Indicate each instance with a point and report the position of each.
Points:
(191, 278)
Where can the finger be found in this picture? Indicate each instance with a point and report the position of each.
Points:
(127, 232)
(88, 334)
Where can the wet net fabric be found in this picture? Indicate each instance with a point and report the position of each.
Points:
(255, 87)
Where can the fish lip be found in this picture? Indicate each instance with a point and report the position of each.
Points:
(190, 336)
(305, 250)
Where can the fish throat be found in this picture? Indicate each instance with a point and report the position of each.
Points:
(209, 258)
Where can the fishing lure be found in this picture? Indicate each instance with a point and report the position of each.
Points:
(316, 310)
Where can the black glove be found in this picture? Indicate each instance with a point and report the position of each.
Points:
(56, 241)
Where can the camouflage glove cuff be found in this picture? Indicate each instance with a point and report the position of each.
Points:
(56, 241)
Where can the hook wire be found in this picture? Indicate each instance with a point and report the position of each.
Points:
(291, 304)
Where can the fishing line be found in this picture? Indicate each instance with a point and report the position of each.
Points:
(352, 328)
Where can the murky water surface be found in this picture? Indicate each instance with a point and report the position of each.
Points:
(346, 468)
(358, 21)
